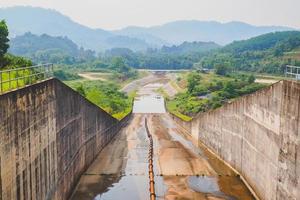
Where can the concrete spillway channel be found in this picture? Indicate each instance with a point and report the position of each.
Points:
(179, 170)
(154, 158)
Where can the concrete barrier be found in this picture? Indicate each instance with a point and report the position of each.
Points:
(49, 136)
(259, 136)
(184, 124)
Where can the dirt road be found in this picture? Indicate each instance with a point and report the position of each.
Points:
(93, 76)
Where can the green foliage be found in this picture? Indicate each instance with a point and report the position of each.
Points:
(10, 61)
(80, 90)
(266, 53)
(251, 79)
(290, 39)
(106, 95)
(124, 71)
(175, 57)
(193, 79)
(65, 75)
(211, 91)
(3, 41)
(222, 69)
(49, 49)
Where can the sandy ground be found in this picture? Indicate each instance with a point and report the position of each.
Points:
(268, 81)
(93, 76)
(137, 84)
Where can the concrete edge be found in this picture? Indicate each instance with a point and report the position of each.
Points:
(251, 189)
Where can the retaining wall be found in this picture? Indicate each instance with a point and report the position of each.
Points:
(259, 136)
(49, 135)
(184, 124)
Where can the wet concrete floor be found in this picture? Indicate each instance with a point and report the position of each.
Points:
(182, 171)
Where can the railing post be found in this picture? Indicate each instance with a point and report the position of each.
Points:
(9, 80)
(24, 79)
(17, 75)
(1, 87)
(12, 76)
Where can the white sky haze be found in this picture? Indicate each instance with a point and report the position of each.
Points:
(115, 14)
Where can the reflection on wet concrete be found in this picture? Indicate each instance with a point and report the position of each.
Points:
(203, 176)
(207, 185)
(148, 101)
(149, 104)
(93, 185)
(129, 187)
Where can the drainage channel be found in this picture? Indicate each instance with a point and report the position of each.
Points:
(150, 166)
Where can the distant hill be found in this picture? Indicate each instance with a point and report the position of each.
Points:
(180, 31)
(174, 57)
(45, 21)
(28, 44)
(265, 42)
(45, 48)
(268, 53)
(40, 21)
(190, 48)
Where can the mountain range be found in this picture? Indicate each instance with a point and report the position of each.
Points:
(40, 21)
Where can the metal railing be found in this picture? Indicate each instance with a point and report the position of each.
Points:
(292, 72)
(19, 77)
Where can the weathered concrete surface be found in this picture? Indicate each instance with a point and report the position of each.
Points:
(49, 136)
(187, 125)
(259, 136)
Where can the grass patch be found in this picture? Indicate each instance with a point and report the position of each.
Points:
(106, 95)
(210, 91)
(171, 107)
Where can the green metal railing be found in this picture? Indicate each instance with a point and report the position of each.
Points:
(292, 72)
(19, 77)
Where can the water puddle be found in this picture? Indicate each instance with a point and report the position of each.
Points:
(227, 185)
(134, 183)
(149, 104)
(207, 185)
(129, 187)
(148, 101)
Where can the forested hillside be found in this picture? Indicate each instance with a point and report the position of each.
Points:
(267, 53)
(168, 57)
(45, 48)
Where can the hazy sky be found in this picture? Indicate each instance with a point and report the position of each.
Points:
(114, 14)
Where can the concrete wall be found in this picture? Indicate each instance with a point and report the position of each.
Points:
(259, 136)
(49, 135)
(184, 124)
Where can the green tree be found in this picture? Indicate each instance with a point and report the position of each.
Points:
(118, 64)
(222, 69)
(3, 40)
(193, 80)
(80, 90)
(251, 79)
